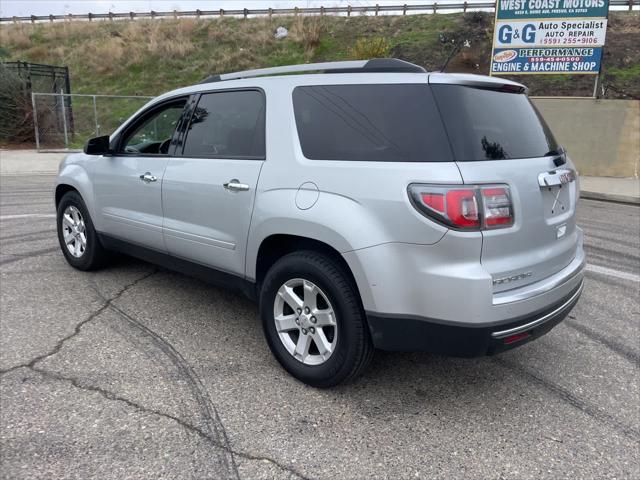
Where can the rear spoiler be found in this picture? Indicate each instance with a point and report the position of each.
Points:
(477, 81)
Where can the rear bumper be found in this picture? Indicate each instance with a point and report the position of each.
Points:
(405, 333)
(447, 281)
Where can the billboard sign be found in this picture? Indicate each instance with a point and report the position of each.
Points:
(549, 36)
(537, 9)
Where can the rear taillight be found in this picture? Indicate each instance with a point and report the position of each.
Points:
(465, 208)
(462, 208)
(498, 211)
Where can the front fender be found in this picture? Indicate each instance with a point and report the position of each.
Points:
(77, 176)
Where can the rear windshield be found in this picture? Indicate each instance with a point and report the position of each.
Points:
(490, 125)
(387, 123)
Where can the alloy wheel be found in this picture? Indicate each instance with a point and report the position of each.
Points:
(305, 321)
(74, 231)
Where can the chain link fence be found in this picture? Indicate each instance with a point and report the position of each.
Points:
(67, 121)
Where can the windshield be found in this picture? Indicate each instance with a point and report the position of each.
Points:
(491, 125)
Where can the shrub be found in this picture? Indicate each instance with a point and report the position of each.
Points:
(367, 48)
(39, 53)
(307, 31)
(16, 113)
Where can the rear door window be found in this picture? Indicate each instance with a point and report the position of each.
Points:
(227, 125)
(387, 123)
(492, 125)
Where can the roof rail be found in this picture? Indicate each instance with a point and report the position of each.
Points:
(353, 66)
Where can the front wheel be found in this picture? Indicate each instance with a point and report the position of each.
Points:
(313, 320)
(77, 236)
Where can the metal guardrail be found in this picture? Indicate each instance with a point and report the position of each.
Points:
(246, 12)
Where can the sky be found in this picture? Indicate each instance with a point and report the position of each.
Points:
(9, 8)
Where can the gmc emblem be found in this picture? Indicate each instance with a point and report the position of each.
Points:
(567, 177)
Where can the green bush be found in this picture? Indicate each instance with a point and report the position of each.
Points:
(367, 48)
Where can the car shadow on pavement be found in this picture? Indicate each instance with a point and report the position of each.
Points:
(395, 383)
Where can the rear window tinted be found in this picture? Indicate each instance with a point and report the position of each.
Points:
(491, 125)
(227, 125)
(388, 123)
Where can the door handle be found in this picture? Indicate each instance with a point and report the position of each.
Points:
(560, 176)
(236, 186)
(148, 178)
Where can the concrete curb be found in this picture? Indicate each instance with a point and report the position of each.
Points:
(610, 197)
(29, 162)
(22, 174)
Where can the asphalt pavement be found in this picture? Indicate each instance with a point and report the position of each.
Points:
(139, 372)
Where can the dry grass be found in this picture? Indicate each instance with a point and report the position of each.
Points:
(219, 30)
(242, 33)
(21, 40)
(110, 48)
(64, 31)
(106, 55)
(229, 60)
(164, 40)
(308, 32)
(16, 36)
(58, 53)
(39, 53)
(178, 48)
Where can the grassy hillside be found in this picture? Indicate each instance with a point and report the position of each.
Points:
(150, 57)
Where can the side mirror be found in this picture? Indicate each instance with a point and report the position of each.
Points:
(97, 146)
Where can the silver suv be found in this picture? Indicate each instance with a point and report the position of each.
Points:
(365, 204)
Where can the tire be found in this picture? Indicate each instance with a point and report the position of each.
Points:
(344, 349)
(91, 254)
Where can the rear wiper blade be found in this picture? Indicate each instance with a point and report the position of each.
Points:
(559, 153)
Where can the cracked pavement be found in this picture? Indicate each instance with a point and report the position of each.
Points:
(138, 372)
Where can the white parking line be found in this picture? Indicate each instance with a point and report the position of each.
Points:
(613, 273)
(28, 215)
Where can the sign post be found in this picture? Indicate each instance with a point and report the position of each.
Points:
(549, 37)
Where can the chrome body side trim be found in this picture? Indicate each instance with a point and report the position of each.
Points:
(543, 319)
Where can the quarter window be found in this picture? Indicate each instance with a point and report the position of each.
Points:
(491, 125)
(227, 125)
(384, 123)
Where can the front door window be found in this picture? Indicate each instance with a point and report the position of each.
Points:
(152, 136)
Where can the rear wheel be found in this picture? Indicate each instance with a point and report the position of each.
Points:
(77, 236)
(313, 320)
